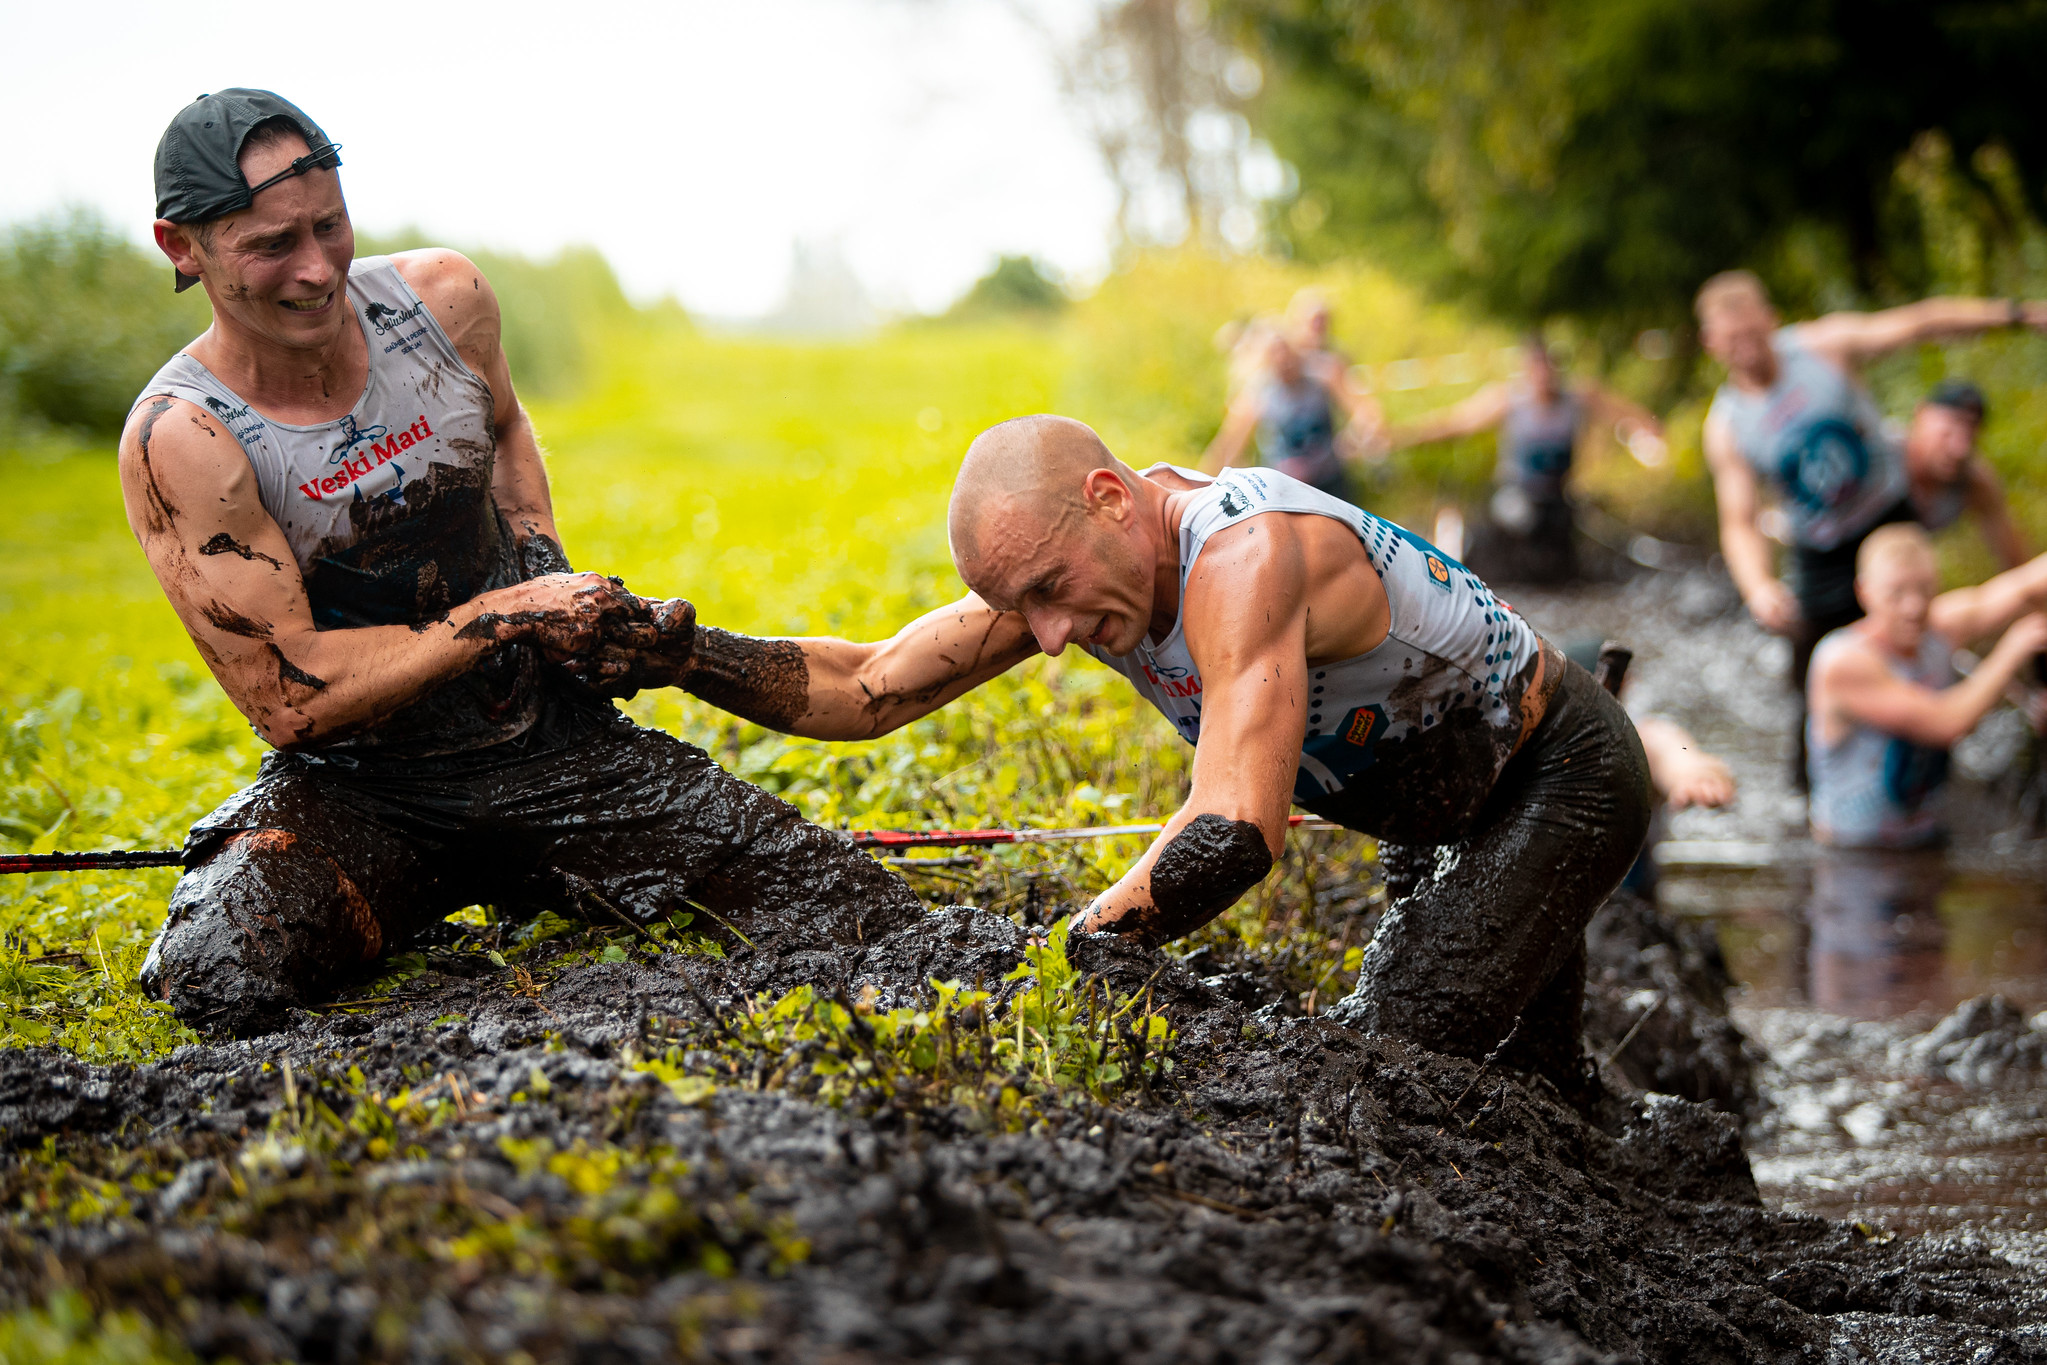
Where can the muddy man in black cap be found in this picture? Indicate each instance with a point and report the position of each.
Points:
(344, 501)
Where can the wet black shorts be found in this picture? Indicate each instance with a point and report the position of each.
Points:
(586, 813)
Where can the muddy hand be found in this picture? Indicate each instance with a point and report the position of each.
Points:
(563, 614)
(621, 666)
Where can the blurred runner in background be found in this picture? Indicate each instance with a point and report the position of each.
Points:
(1530, 534)
(1949, 477)
(1886, 705)
(1293, 408)
(1795, 415)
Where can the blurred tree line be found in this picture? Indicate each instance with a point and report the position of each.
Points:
(86, 317)
(1597, 159)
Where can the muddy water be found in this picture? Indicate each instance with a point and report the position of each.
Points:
(1848, 966)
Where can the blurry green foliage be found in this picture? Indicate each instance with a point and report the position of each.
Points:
(68, 1331)
(1599, 158)
(553, 309)
(86, 317)
(1017, 286)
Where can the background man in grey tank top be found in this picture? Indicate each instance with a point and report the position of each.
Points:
(1529, 535)
(345, 504)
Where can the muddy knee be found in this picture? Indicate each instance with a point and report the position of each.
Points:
(266, 923)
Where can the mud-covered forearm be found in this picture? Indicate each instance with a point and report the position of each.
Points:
(1202, 871)
(541, 554)
(762, 680)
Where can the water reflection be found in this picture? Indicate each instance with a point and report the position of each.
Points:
(1874, 935)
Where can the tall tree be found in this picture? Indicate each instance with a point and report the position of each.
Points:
(1598, 158)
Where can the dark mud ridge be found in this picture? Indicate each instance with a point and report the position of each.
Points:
(1294, 1191)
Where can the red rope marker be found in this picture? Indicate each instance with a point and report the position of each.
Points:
(865, 838)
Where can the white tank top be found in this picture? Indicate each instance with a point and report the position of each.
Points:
(388, 509)
(1406, 740)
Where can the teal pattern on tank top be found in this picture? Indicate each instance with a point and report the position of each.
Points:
(1816, 437)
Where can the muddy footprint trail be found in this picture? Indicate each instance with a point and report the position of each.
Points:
(621, 1160)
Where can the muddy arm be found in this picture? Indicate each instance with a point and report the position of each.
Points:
(228, 571)
(839, 689)
(465, 305)
(1247, 628)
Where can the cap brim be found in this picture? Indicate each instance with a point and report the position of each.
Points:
(184, 281)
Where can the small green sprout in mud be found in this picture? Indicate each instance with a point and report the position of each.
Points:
(1060, 1035)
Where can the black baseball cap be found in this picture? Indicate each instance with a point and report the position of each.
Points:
(198, 175)
(1960, 395)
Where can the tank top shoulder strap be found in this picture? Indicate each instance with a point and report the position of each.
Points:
(1237, 493)
(394, 315)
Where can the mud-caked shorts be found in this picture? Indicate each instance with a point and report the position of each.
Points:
(1483, 940)
(327, 862)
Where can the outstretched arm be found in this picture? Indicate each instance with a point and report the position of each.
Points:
(1851, 339)
(818, 687)
(1634, 424)
(1855, 685)
(465, 305)
(1238, 424)
(1246, 626)
(1682, 773)
(1967, 614)
(229, 574)
(1482, 411)
(1742, 542)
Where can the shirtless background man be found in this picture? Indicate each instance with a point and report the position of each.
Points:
(345, 504)
(1314, 654)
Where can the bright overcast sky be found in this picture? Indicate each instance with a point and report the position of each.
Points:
(692, 142)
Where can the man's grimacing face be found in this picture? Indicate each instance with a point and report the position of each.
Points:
(279, 268)
(1076, 573)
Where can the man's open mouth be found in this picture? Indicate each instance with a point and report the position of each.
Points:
(308, 305)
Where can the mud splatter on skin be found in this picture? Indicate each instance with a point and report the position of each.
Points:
(289, 672)
(623, 669)
(542, 554)
(159, 510)
(223, 617)
(764, 681)
(225, 544)
(1199, 874)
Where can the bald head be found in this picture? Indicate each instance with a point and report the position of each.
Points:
(1030, 467)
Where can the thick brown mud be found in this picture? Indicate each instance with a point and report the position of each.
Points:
(1200, 873)
(1294, 1191)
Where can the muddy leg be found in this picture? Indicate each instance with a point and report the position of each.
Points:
(268, 922)
(651, 824)
(1486, 929)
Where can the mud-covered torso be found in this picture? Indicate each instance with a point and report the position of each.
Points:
(1871, 789)
(388, 509)
(1817, 437)
(1405, 741)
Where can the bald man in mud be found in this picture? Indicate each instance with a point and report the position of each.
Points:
(1314, 655)
(345, 504)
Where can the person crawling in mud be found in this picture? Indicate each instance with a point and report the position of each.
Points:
(1887, 703)
(345, 503)
(1314, 654)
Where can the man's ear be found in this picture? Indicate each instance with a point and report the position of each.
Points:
(1108, 492)
(176, 241)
